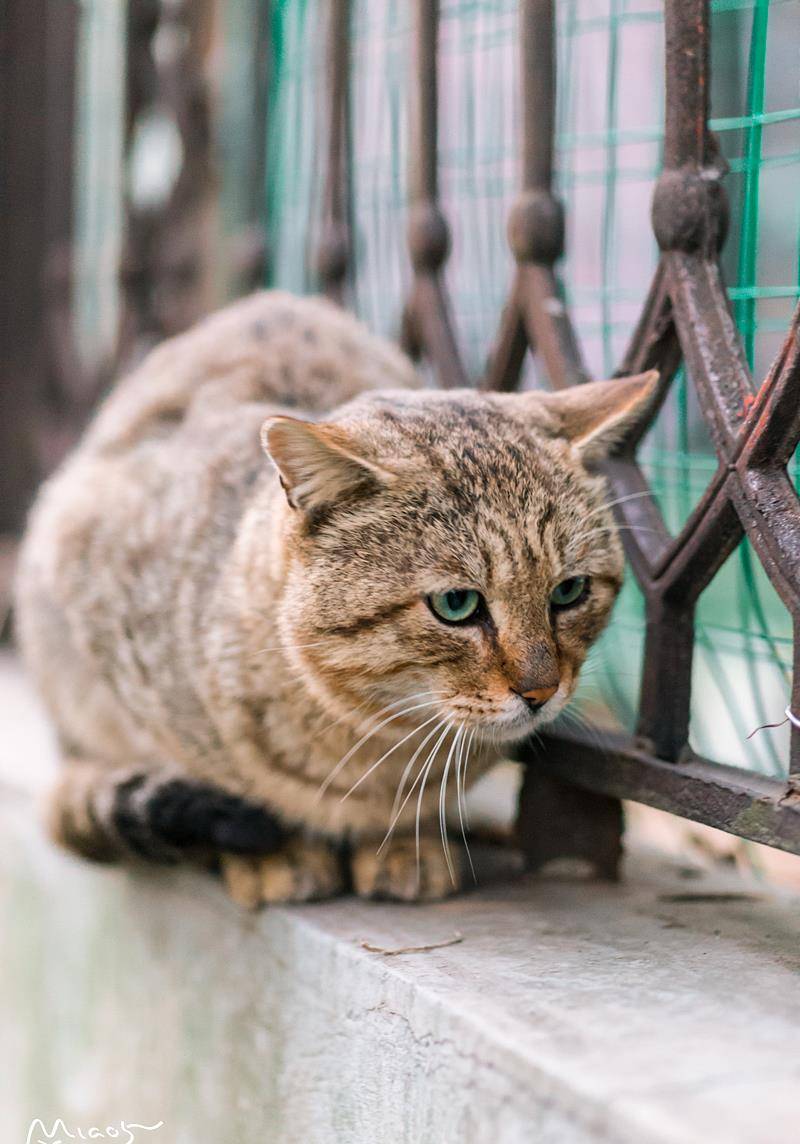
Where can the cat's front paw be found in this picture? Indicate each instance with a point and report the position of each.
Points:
(302, 871)
(399, 874)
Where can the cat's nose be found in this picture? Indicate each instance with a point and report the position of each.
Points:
(536, 697)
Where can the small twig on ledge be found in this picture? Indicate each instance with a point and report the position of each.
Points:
(454, 940)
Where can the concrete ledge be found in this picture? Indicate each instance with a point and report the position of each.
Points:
(665, 1009)
(569, 1012)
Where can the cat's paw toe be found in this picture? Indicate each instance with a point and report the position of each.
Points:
(399, 874)
(300, 872)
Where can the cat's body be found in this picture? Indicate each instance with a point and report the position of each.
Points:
(208, 647)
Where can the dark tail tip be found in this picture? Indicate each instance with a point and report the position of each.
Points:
(158, 821)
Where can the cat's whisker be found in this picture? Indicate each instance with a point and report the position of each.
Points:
(353, 673)
(467, 759)
(461, 794)
(613, 503)
(421, 771)
(394, 814)
(464, 780)
(442, 800)
(351, 712)
(289, 672)
(368, 735)
(369, 720)
(577, 719)
(362, 725)
(613, 528)
(426, 694)
(288, 647)
(425, 773)
(386, 755)
(344, 716)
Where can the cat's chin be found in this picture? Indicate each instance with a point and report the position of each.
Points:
(514, 728)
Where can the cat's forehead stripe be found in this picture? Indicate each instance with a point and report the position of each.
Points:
(364, 623)
(504, 555)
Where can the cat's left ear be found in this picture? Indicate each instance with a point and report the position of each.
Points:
(595, 416)
(318, 464)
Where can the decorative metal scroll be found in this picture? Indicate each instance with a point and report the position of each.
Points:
(569, 805)
(165, 268)
(174, 261)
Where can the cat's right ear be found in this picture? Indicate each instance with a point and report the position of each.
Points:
(595, 416)
(318, 464)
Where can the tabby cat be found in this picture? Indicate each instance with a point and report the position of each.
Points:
(289, 664)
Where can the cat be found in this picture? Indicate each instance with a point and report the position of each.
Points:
(285, 662)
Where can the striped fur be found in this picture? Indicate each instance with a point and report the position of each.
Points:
(106, 815)
(237, 649)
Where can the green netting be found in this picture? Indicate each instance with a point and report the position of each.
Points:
(236, 126)
(100, 121)
(291, 141)
(609, 137)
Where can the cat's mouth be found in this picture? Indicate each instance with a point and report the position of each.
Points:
(515, 720)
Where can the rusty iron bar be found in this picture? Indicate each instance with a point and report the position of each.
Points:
(560, 819)
(688, 43)
(760, 486)
(538, 75)
(687, 316)
(424, 168)
(427, 327)
(767, 499)
(333, 252)
(141, 85)
(727, 798)
(535, 314)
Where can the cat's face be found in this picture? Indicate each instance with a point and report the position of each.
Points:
(450, 558)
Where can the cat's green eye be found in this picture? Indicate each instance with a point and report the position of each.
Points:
(570, 592)
(457, 606)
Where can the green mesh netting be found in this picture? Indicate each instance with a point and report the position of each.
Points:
(610, 126)
(236, 127)
(99, 178)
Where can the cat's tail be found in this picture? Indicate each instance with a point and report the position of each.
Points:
(107, 815)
